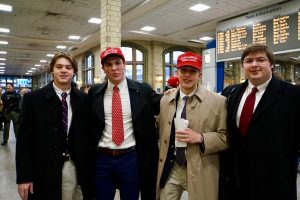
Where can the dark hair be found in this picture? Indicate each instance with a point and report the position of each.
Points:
(255, 48)
(12, 85)
(66, 56)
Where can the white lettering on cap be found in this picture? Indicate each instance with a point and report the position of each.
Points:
(111, 51)
(189, 59)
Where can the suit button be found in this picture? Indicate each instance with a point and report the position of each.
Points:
(165, 141)
(160, 160)
(169, 122)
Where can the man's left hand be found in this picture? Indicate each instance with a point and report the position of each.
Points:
(189, 136)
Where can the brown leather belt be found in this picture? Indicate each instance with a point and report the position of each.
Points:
(115, 152)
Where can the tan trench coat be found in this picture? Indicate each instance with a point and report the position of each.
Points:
(206, 112)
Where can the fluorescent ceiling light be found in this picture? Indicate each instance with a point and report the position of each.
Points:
(27, 73)
(30, 71)
(2, 58)
(148, 28)
(199, 7)
(5, 7)
(74, 37)
(4, 30)
(2, 67)
(61, 47)
(206, 38)
(3, 42)
(2, 63)
(33, 68)
(95, 20)
(3, 52)
(37, 65)
(50, 55)
(2, 70)
(43, 61)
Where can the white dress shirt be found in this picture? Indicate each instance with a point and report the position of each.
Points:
(106, 138)
(59, 92)
(261, 90)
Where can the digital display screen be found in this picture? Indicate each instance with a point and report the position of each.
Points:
(281, 33)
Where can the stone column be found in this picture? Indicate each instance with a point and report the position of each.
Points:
(110, 29)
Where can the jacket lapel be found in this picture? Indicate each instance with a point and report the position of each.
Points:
(137, 103)
(98, 105)
(269, 97)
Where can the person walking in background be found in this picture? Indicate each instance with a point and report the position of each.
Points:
(263, 118)
(10, 100)
(188, 158)
(123, 120)
(22, 92)
(172, 82)
(1, 111)
(54, 150)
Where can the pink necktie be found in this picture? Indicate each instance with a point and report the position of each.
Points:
(117, 118)
(247, 112)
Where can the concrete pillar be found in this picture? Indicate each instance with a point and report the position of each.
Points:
(110, 29)
(155, 69)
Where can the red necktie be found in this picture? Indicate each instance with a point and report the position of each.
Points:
(247, 112)
(117, 118)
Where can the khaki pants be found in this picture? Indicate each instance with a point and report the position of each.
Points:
(175, 185)
(70, 189)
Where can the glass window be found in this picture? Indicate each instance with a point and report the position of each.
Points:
(134, 63)
(170, 64)
(88, 69)
(128, 71)
(139, 73)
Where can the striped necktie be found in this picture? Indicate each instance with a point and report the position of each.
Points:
(64, 111)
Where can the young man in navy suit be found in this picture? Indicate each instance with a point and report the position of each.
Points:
(123, 121)
(263, 143)
(53, 151)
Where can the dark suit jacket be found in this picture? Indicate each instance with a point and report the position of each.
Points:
(263, 164)
(144, 105)
(40, 143)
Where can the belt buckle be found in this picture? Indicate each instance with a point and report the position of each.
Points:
(115, 152)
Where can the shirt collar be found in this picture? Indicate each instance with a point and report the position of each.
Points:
(121, 85)
(259, 87)
(181, 94)
(59, 91)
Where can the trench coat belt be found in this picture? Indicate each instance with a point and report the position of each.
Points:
(114, 152)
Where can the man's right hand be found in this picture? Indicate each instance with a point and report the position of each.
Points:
(23, 189)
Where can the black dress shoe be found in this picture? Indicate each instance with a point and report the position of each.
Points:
(4, 143)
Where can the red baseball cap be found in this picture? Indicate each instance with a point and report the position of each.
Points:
(173, 81)
(109, 51)
(189, 59)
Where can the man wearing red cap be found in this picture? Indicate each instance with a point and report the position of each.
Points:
(123, 121)
(172, 82)
(188, 158)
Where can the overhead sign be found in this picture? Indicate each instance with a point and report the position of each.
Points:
(278, 27)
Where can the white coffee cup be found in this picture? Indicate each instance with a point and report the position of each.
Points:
(180, 125)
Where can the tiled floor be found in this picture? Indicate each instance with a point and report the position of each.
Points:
(8, 177)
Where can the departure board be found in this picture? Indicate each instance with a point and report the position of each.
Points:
(281, 33)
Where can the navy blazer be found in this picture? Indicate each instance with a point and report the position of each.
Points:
(41, 143)
(145, 104)
(263, 164)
